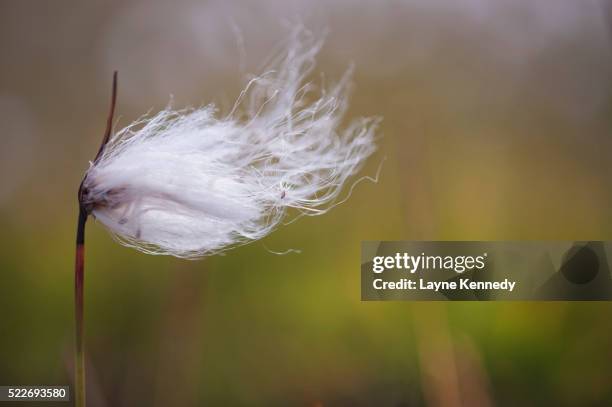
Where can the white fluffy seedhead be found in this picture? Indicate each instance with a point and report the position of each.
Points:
(189, 183)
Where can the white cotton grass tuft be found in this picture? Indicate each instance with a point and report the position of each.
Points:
(189, 183)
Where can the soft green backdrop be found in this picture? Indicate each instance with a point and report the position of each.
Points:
(496, 126)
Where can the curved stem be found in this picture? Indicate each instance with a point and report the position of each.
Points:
(79, 269)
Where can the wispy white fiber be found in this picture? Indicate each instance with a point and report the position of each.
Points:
(191, 182)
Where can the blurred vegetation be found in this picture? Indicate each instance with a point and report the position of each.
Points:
(496, 126)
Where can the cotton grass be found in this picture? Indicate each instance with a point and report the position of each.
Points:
(193, 182)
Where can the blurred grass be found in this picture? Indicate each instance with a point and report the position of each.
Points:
(478, 145)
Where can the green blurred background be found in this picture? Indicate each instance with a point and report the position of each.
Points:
(497, 119)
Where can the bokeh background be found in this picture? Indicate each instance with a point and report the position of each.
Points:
(497, 120)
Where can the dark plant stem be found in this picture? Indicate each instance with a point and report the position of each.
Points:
(79, 275)
(79, 267)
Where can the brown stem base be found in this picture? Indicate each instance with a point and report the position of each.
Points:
(79, 274)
